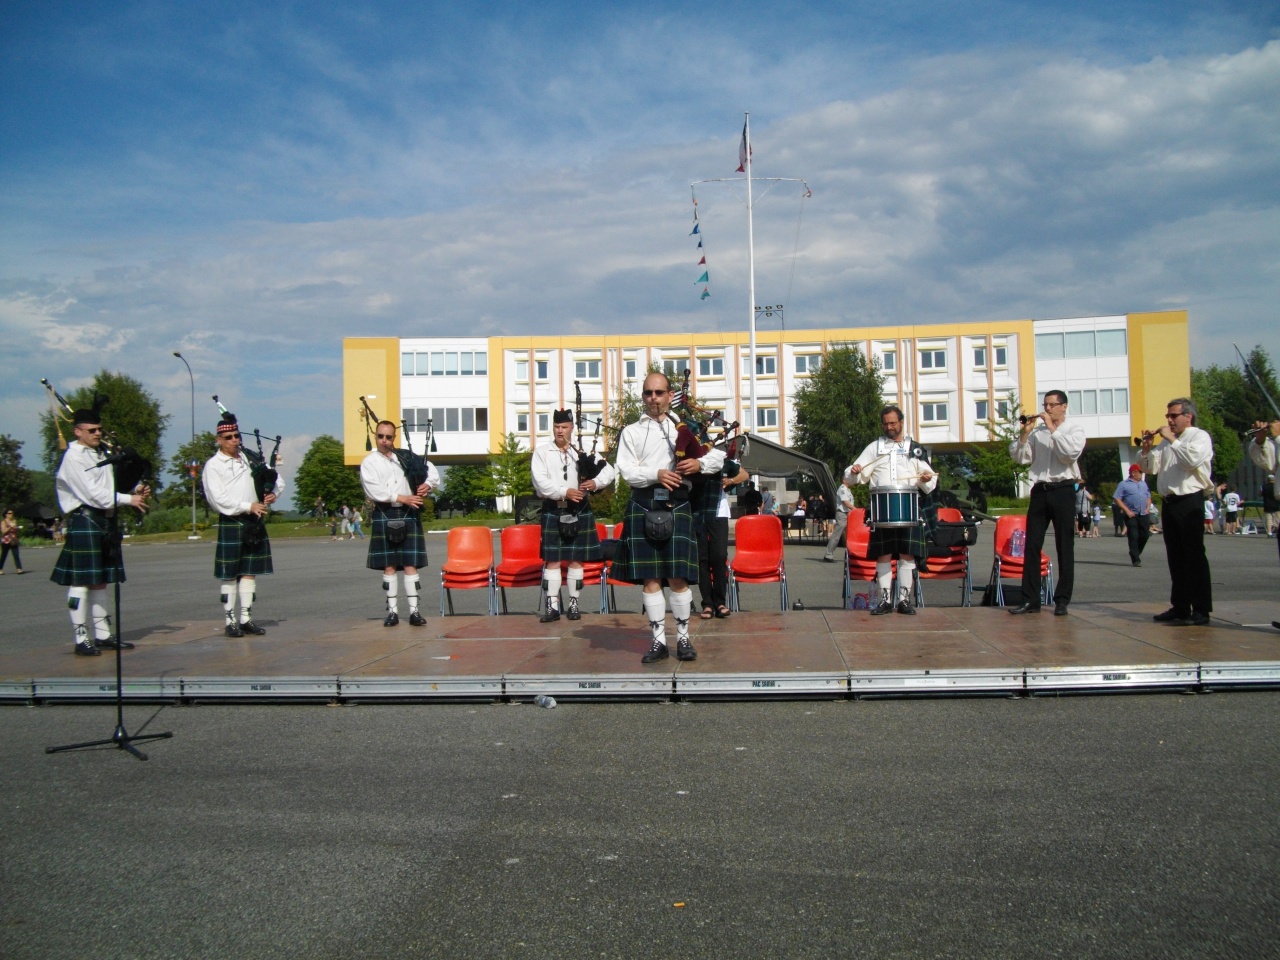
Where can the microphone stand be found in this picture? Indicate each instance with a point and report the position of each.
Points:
(120, 737)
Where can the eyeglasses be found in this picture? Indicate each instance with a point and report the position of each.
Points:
(655, 393)
(1052, 403)
(889, 423)
(91, 429)
(1175, 416)
(231, 436)
(386, 436)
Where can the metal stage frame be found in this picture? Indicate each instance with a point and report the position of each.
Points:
(828, 653)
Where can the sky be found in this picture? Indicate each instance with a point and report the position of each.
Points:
(248, 183)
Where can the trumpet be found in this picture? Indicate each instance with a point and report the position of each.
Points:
(1024, 419)
(1251, 434)
(1152, 435)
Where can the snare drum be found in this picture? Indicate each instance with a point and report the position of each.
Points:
(894, 506)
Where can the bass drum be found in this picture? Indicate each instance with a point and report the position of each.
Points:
(894, 506)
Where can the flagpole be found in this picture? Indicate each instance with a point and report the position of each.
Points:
(751, 277)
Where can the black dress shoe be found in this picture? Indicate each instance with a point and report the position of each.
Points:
(114, 643)
(1169, 616)
(881, 608)
(658, 651)
(551, 616)
(233, 630)
(87, 650)
(1137, 563)
(905, 607)
(1025, 608)
(250, 627)
(1059, 609)
(685, 651)
(391, 620)
(1197, 619)
(416, 619)
(574, 613)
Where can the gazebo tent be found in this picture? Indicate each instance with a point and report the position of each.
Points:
(769, 459)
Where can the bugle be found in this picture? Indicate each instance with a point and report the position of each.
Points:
(1152, 435)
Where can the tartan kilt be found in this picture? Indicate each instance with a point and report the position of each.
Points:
(411, 553)
(80, 564)
(641, 559)
(232, 559)
(899, 540)
(582, 548)
(705, 500)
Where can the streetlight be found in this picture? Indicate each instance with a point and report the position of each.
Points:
(191, 376)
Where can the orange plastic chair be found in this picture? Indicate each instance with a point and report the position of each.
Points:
(1006, 566)
(757, 557)
(954, 567)
(860, 567)
(521, 564)
(468, 565)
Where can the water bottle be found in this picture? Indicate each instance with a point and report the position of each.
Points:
(1018, 543)
(542, 700)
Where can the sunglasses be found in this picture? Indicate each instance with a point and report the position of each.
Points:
(655, 393)
(91, 429)
(386, 436)
(231, 436)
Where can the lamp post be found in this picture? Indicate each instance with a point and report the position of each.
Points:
(191, 376)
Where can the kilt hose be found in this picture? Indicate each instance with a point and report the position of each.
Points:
(233, 559)
(583, 546)
(904, 541)
(81, 563)
(642, 559)
(382, 554)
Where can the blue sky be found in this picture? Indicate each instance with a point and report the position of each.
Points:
(250, 182)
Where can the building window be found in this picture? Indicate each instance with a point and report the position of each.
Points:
(980, 358)
(983, 410)
(586, 369)
(1049, 346)
(711, 366)
(544, 423)
(1113, 401)
(767, 417)
(1112, 343)
(808, 363)
(675, 368)
(522, 371)
(408, 363)
(889, 361)
(1002, 355)
(933, 412)
(629, 369)
(933, 359)
(765, 366)
(522, 423)
(543, 367)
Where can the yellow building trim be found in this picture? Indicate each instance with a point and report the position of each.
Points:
(370, 368)
(1159, 365)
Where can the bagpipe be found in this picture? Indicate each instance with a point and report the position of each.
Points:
(130, 467)
(589, 464)
(415, 467)
(694, 423)
(261, 467)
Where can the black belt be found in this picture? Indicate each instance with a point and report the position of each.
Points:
(1173, 497)
(644, 495)
(555, 504)
(1055, 484)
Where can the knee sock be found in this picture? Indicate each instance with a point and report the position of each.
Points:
(551, 580)
(78, 605)
(884, 578)
(247, 586)
(681, 607)
(575, 580)
(390, 586)
(98, 610)
(655, 608)
(412, 584)
(906, 574)
(228, 588)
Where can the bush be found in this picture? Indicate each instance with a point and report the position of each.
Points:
(163, 520)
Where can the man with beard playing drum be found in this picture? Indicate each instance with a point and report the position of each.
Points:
(888, 462)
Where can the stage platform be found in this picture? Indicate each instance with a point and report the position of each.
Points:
(828, 653)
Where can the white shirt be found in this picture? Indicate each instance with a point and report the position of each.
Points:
(649, 445)
(228, 484)
(1052, 455)
(555, 472)
(844, 499)
(1182, 467)
(893, 466)
(81, 483)
(383, 478)
(1267, 457)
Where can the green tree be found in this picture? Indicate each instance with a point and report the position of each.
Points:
(992, 468)
(15, 479)
(466, 487)
(1228, 448)
(200, 450)
(323, 473)
(838, 408)
(132, 416)
(1235, 397)
(509, 473)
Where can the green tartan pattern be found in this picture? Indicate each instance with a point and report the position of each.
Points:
(232, 559)
(705, 499)
(641, 559)
(899, 540)
(411, 553)
(80, 564)
(583, 548)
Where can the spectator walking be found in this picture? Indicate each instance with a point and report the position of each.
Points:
(10, 541)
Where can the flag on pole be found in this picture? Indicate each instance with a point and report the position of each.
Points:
(744, 150)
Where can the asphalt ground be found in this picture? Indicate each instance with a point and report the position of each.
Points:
(1098, 826)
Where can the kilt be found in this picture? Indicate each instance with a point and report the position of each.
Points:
(641, 559)
(705, 500)
(232, 559)
(80, 564)
(585, 545)
(899, 540)
(411, 553)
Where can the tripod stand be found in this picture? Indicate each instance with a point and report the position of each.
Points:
(120, 737)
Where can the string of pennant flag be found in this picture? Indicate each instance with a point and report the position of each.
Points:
(744, 154)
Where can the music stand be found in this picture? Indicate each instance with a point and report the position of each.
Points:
(120, 737)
